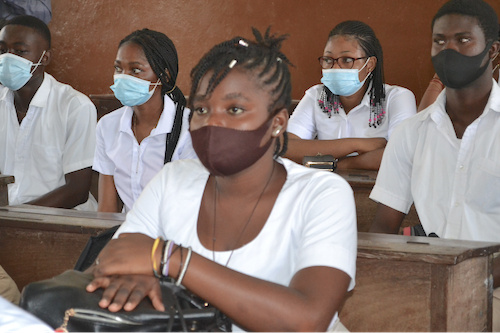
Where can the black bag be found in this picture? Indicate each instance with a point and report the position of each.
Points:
(64, 300)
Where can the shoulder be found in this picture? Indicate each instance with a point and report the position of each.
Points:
(315, 90)
(392, 91)
(66, 92)
(112, 119)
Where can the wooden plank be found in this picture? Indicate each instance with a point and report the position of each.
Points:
(4, 192)
(37, 243)
(362, 182)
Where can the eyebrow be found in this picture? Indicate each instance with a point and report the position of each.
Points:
(130, 63)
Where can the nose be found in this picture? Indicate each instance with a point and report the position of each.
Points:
(214, 118)
(336, 64)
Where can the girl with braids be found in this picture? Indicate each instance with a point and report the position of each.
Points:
(270, 243)
(135, 141)
(353, 102)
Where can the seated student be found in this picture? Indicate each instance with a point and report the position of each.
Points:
(446, 159)
(15, 319)
(273, 243)
(135, 141)
(352, 102)
(47, 129)
(436, 86)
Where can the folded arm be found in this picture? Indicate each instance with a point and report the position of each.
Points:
(73, 193)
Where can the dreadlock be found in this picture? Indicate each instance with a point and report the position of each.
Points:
(365, 36)
(162, 57)
(262, 57)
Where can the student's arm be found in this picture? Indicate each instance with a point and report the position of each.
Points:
(431, 93)
(387, 220)
(108, 196)
(367, 161)
(298, 148)
(307, 304)
(73, 193)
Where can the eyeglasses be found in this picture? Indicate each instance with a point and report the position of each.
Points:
(343, 62)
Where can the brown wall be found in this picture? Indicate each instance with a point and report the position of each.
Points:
(86, 34)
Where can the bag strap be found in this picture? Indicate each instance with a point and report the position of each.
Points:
(174, 135)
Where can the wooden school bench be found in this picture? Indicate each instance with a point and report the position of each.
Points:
(420, 284)
(37, 243)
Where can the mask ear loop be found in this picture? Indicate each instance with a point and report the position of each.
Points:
(367, 75)
(38, 63)
(498, 65)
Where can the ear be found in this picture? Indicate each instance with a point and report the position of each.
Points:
(372, 63)
(280, 121)
(495, 50)
(46, 58)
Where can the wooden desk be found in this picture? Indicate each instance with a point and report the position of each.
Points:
(362, 182)
(420, 284)
(4, 192)
(37, 243)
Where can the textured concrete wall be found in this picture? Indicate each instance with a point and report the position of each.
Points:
(86, 34)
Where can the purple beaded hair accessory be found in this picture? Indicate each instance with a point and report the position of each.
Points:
(330, 103)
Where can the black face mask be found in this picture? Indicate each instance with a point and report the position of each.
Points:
(456, 70)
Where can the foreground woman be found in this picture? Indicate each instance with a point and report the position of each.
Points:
(270, 243)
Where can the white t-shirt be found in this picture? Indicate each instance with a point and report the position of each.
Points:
(15, 319)
(455, 183)
(132, 165)
(56, 137)
(308, 119)
(313, 222)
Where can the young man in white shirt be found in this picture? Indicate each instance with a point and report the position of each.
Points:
(47, 129)
(446, 159)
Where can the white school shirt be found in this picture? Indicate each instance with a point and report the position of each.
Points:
(56, 137)
(15, 319)
(132, 165)
(455, 183)
(312, 223)
(308, 120)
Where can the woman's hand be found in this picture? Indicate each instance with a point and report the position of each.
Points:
(127, 291)
(129, 254)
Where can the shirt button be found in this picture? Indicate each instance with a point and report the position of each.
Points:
(461, 167)
(457, 204)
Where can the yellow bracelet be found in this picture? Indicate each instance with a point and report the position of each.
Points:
(153, 251)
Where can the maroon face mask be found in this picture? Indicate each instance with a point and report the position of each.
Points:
(226, 151)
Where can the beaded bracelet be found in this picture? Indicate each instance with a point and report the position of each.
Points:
(153, 252)
(184, 268)
(166, 257)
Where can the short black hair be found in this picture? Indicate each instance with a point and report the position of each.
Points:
(161, 54)
(479, 9)
(366, 38)
(262, 57)
(33, 23)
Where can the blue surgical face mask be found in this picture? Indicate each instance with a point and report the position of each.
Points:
(131, 90)
(343, 82)
(16, 71)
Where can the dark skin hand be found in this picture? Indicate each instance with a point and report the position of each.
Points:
(130, 255)
(74, 192)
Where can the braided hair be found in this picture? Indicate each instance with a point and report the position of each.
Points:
(262, 57)
(162, 57)
(365, 36)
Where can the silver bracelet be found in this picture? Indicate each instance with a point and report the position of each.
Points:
(184, 268)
